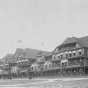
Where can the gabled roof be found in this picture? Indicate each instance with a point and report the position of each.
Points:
(70, 40)
(83, 41)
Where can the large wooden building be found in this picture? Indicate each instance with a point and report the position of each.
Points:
(69, 58)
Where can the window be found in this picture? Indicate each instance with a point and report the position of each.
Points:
(45, 66)
(49, 65)
(31, 68)
(66, 55)
(80, 53)
(53, 57)
(70, 55)
(56, 50)
(74, 54)
(61, 56)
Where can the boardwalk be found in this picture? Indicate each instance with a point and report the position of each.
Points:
(46, 83)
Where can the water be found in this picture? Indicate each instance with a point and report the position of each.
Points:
(46, 83)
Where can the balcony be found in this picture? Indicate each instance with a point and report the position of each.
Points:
(68, 54)
(52, 66)
(73, 66)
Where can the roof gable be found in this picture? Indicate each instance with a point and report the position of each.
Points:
(83, 41)
(70, 40)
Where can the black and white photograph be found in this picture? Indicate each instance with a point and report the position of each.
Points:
(43, 43)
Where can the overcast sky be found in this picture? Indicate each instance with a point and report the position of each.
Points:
(40, 24)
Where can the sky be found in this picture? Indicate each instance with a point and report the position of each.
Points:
(40, 24)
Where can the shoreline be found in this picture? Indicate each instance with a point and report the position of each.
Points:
(50, 78)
